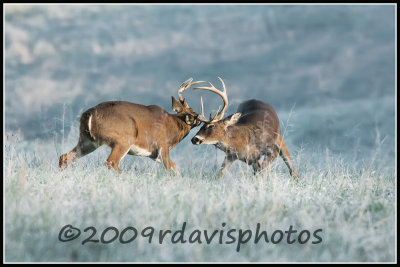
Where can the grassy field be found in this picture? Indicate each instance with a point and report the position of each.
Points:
(353, 204)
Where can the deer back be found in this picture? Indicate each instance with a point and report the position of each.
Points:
(260, 116)
(120, 121)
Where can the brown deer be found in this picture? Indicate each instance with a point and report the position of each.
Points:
(134, 129)
(252, 134)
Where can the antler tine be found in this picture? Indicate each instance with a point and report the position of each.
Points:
(216, 117)
(220, 114)
(185, 85)
(185, 82)
(225, 98)
(182, 88)
(201, 117)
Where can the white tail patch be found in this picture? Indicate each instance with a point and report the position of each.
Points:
(90, 127)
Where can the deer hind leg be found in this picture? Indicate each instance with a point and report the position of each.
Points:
(284, 153)
(269, 158)
(263, 164)
(118, 151)
(84, 147)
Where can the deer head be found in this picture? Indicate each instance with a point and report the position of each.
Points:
(182, 109)
(214, 130)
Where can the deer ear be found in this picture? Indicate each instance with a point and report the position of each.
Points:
(176, 105)
(184, 103)
(232, 119)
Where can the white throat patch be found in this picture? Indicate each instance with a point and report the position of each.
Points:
(220, 145)
(210, 142)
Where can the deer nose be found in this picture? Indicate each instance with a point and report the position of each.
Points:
(196, 140)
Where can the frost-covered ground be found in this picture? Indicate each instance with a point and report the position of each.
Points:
(329, 71)
(351, 197)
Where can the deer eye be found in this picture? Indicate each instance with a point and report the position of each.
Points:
(210, 126)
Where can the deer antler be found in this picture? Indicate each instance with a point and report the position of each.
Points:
(185, 85)
(220, 114)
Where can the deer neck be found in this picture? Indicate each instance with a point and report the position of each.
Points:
(224, 142)
(232, 139)
(182, 127)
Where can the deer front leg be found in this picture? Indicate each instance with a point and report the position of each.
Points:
(257, 165)
(173, 166)
(168, 163)
(226, 164)
(117, 153)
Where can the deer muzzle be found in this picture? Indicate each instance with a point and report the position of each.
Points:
(197, 140)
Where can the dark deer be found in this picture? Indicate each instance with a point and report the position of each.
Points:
(134, 129)
(252, 134)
